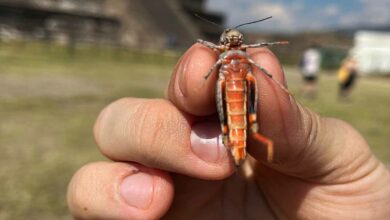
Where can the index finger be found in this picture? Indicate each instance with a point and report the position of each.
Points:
(189, 90)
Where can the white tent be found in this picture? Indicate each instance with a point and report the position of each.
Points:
(372, 52)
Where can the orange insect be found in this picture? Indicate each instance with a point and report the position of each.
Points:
(236, 92)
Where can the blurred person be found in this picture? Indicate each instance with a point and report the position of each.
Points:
(309, 66)
(167, 160)
(347, 75)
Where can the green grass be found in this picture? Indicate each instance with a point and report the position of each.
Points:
(368, 110)
(48, 103)
(49, 100)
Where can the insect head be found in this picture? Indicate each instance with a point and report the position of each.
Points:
(231, 37)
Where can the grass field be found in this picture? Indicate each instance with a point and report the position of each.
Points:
(49, 100)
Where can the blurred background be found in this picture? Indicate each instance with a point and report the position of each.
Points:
(62, 61)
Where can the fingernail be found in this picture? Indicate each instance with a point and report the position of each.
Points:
(206, 142)
(137, 190)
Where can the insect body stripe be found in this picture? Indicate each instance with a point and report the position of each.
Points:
(237, 113)
(237, 92)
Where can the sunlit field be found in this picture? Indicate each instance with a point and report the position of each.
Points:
(50, 97)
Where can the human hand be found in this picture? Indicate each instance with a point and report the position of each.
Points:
(168, 160)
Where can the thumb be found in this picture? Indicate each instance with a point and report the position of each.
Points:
(306, 145)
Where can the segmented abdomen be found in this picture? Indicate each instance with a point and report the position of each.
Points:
(236, 114)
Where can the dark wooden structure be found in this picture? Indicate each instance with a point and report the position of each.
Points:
(130, 23)
(25, 20)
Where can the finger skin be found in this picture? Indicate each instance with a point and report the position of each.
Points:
(156, 134)
(273, 101)
(93, 192)
(305, 144)
(295, 198)
(309, 150)
(188, 89)
(276, 109)
(322, 166)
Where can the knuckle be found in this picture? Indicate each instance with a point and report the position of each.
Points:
(151, 129)
(108, 129)
(139, 130)
(160, 132)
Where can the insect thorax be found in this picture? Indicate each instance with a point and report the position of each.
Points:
(235, 64)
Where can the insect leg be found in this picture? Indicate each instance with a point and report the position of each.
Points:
(216, 64)
(211, 45)
(265, 44)
(269, 75)
(220, 96)
(252, 117)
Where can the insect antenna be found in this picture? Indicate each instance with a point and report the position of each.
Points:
(252, 22)
(206, 20)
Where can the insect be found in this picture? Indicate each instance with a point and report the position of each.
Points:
(236, 92)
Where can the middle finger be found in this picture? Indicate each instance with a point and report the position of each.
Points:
(156, 134)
